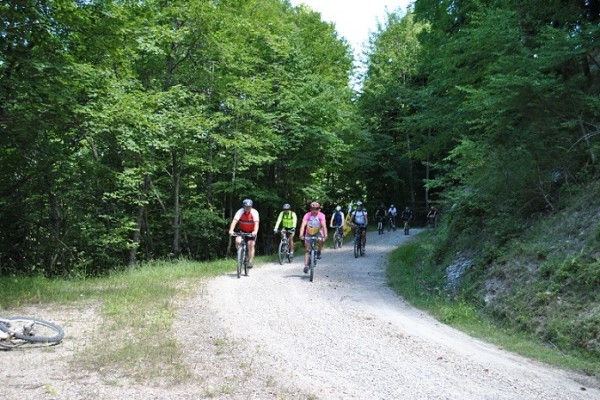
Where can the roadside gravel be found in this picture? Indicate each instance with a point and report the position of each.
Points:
(275, 335)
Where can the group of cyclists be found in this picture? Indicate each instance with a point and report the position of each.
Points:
(313, 224)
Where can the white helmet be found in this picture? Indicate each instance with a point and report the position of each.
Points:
(338, 208)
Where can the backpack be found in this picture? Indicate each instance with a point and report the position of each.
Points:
(337, 218)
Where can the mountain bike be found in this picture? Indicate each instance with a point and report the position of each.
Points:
(312, 255)
(18, 331)
(242, 253)
(380, 225)
(285, 252)
(391, 223)
(358, 245)
(338, 237)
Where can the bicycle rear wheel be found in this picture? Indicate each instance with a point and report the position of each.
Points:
(240, 260)
(33, 330)
(283, 250)
(338, 241)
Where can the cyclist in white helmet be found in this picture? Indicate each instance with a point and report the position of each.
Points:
(360, 221)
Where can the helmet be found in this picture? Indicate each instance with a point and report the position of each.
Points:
(286, 206)
(314, 204)
(392, 206)
(247, 203)
(338, 208)
(359, 203)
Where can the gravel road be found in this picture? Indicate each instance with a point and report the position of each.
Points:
(275, 335)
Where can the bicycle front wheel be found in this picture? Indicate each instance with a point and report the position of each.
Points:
(240, 260)
(356, 246)
(282, 251)
(33, 330)
(311, 265)
(339, 241)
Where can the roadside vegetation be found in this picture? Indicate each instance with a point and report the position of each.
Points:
(137, 311)
(535, 294)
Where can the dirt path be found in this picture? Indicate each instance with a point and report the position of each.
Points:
(275, 335)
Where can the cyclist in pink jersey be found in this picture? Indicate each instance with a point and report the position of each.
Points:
(313, 223)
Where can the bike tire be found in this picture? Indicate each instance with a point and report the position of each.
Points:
(356, 246)
(311, 264)
(34, 330)
(282, 252)
(339, 241)
(240, 261)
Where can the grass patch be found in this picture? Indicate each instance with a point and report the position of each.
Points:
(413, 275)
(138, 311)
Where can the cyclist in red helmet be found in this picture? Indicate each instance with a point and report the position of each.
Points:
(247, 220)
(313, 223)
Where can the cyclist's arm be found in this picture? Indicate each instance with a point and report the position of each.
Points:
(324, 227)
(302, 226)
(278, 221)
(294, 219)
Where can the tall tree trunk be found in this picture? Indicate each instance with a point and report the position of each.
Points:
(140, 220)
(411, 179)
(176, 205)
(427, 173)
(233, 172)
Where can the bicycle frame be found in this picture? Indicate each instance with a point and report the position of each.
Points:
(284, 250)
(359, 237)
(18, 331)
(312, 258)
(242, 253)
(338, 237)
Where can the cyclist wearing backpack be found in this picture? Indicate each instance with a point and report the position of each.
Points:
(360, 220)
(288, 220)
(393, 212)
(381, 213)
(407, 216)
(337, 219)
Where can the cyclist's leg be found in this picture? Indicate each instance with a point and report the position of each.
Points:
(291, 239)
(320, 246)
(251, 248)
(306, 254)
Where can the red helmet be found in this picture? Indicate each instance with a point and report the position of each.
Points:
(314, 204)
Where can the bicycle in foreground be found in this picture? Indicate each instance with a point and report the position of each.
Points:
(407, 227)
(285, 252)
(312, 254)
(338, 237)
(380, 225)
(242, 253)
(358, 242)
(391, 225)
(19, 331)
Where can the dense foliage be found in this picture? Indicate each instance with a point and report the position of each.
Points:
(132, 130)
(495, 106)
